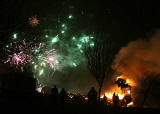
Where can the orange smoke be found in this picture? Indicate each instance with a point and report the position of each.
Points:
(138, 61)
(139, 58)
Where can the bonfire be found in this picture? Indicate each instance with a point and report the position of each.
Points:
(121, 89)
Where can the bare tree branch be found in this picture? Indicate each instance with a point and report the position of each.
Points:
(100, 58)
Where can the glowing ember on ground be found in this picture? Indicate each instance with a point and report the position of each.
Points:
(70, 96)
(86, 98)
(130, 104)
(39, 89)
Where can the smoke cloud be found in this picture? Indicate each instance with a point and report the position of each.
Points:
(137, 61)
(139, 58)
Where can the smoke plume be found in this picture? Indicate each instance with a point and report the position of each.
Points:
(139, 58)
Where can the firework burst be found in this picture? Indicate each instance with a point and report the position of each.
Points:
(33, 21)
(19, 53)
(18, 59)
(54, 51)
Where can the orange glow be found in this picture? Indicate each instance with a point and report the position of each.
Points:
(110, 95)
(130, 104)
(33, 21)
(121, 93)
(102, 97)
(128, 81)
(128, 92)
(121, 96)
(117, 90)
(86, 98)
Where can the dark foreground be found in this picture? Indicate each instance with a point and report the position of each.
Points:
(19, 96)
(71, 109)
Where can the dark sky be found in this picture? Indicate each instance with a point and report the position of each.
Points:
(124, 20)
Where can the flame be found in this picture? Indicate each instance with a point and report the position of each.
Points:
(121, 96)
(114, 89)
(130, 104)
(121, 93)
(109, 95)
(128, 92)
(128, 81)
(102, 97)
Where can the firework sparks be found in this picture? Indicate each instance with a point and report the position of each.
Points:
(48, 58)
(45, 62)
(18, 59)
(19, 53)
(53, 51)
(33, 21)
(15, 36)
(70, 16)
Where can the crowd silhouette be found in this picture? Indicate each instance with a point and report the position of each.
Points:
(92, 96)
(54, 94)
(22, 84)
(20, 90)
(63, 98)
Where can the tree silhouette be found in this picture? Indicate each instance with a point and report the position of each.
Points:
(99, 58)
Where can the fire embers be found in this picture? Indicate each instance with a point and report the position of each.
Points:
(120, 93)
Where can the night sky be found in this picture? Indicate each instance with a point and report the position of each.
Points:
(121, 21)
(127, 19)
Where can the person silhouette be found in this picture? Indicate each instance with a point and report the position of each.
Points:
(54, 94)
(92, 96)
(63, 96)
(115, 100)
(104, 100)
